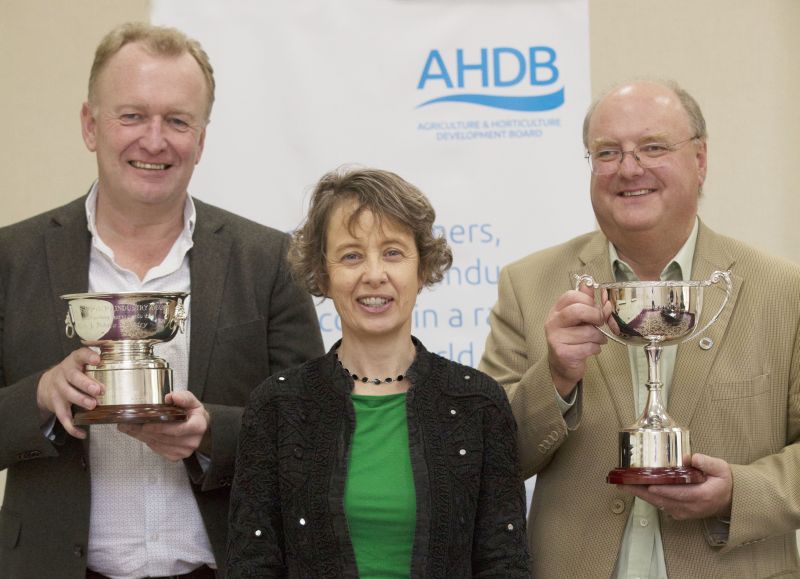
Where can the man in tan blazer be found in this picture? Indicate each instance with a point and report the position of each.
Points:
(736, 390)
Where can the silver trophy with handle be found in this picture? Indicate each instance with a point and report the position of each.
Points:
(654, 314)
(125, 327)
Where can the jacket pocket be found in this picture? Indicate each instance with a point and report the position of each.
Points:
(743, 416)
(739, 388)
(246, 331)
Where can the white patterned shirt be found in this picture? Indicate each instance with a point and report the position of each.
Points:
(144, 518)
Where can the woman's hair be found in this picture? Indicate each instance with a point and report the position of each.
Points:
(386, 196)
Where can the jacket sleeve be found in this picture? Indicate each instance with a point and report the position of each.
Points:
(255, 533)
(21, 437)
(516, 356)
(499, 543)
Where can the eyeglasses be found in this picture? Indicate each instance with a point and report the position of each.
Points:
(648, 155)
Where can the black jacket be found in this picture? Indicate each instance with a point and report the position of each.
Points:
(287, 502)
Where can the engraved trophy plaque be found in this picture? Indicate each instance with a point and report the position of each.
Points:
(126, 326)
(654, 314)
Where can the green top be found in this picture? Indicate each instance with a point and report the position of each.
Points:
(379, 499)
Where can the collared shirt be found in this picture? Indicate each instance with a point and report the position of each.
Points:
(144, 518)
(641, 554)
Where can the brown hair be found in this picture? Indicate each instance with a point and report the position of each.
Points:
(386, 196)
(158, 40)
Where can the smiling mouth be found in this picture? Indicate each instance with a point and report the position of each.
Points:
(374, 301)
(149, 166)
(637, 193)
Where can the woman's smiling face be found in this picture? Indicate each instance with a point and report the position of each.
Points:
(373, 273)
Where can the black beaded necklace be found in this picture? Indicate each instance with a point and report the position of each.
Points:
(365, 379)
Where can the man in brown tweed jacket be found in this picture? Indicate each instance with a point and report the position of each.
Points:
(737, 390)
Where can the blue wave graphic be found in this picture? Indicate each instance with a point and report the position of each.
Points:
(544, 102)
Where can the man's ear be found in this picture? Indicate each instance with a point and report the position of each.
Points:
(202, 144)
(88, 125)
(702, 162)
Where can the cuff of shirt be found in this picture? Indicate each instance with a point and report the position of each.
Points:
(565, 405)
(48, 428)
(204, 460)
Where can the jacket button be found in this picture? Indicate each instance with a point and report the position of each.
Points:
(298, 452)
(77, 550)
(618, 506)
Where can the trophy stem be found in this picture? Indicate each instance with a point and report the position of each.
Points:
(655, 413)
(128, 350)
(653, 351)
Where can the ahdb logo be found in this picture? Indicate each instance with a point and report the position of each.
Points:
(494, 71)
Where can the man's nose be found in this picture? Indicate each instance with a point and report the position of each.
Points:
(629, 165)
(153, 139)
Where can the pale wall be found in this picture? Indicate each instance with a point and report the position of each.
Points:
(739, 59)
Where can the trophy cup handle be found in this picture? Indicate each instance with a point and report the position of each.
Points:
(589, 282)
(180, 316)
(714, 279)
(69, 328)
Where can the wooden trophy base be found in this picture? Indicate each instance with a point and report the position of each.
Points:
(130, 413)
(655, 476)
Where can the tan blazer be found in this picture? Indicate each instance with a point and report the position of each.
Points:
(740, 399)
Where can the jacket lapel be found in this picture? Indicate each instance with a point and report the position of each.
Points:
(612, 362)
(208, 263)
(67, 246)
(693, 363)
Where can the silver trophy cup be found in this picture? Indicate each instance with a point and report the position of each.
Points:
(126, 326)
(654, 314)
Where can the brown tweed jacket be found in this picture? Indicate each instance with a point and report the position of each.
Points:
(740, 399)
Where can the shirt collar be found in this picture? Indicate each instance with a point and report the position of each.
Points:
(678, 268)
(179, 249)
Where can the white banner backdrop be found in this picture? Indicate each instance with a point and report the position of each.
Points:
(477, 102)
